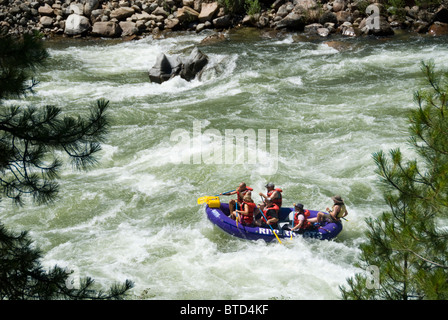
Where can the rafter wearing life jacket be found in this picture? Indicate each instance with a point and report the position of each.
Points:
(278, 200)
(247, 219)
(267, 211)
(305, 224)
(243, 193)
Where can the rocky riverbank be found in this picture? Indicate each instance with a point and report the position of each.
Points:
(135, 18)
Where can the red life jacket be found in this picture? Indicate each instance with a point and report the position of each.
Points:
(306, 224)
(266, 209)
(247, 219)
(242, 193)
(277, 201)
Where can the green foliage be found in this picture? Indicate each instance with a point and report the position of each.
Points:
(233, 6)
(249, 7)
(18, 58)
(396, 3)
(362, 5)
(30, 135)
(23, 278)
(409, 244)
(252, 7)
(428, 3)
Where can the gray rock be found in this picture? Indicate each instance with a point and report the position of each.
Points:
(46, 10)
(338, 5)
(77, 8)
(193, 64)
(15, 10)
(200, 27)
(384, 28)
(167, 67)
(323, 32)
(109, 29)
(208, 10)
(89, 6)
(292, 21)
(282, 11)
(312, 28)
(222, 22)
(171, 23)
(305, 4)
(128, 28)
(159, 11)
(122, 13)
(46, 21)
(328, 17)
(187, 14)
(76, 25)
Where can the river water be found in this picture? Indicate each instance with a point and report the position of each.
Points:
(316, 110)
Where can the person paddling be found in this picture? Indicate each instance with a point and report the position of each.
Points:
(301, 222)
(274, 193)
(241, 191)
(269, 217)
(246, 214)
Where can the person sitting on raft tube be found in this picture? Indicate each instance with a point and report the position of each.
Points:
(336, 213)
(274, 193)
(301, 222)
(270, 211)
(241, 191)
(245, 213)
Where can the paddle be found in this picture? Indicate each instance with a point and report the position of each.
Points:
(204, 199)
(270, 227)
(236, 212)
(292, 223)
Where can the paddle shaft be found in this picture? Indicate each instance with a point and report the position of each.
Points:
(236, 213)
(225, 193)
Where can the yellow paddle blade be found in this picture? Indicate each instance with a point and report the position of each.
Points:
(276, 236)
(202, 200)
(212, 202)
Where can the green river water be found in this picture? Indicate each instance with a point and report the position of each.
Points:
(323, 111)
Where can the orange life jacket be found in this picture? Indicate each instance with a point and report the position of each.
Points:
(266, 209)
(247, 219)
(242, 193)
(277, 201)
(306, 224)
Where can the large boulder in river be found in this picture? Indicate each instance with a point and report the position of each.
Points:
(167, 67)
(193, 64)
(76, 25)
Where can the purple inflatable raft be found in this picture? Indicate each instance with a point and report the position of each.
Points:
(218, 216)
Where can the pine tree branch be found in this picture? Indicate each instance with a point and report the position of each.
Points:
(438, 265)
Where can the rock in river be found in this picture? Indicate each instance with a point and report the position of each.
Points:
(167, 67)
